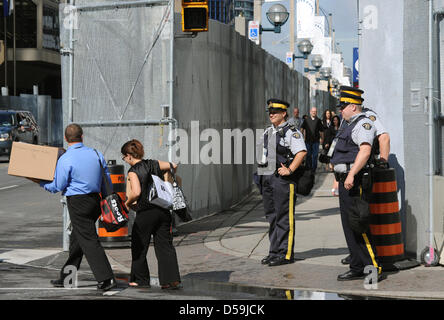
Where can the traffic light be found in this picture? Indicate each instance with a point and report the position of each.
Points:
(194, 15)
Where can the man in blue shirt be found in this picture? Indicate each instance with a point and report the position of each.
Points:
(78, 176)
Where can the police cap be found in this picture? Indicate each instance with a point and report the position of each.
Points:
(350, 95)
(276, 104)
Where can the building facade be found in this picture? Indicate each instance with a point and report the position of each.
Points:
(34, 27)
(221, 10)
(244, 8)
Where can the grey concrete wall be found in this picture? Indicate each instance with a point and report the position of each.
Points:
(393, 67)
(415, 77)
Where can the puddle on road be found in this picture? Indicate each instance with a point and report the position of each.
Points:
(231, 291)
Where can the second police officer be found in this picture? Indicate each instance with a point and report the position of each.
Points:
(381, 145)
(351, 151)
(284, 150)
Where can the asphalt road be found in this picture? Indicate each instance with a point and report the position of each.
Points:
(31, 221)
(30, 217)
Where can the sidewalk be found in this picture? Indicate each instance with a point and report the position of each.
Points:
(228, 247)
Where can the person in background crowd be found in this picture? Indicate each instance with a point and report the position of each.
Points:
(326, 119)
(296, 120)
(150, 221)
(330, 134)
(313, 131)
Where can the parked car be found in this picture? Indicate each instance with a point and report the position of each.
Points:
(17, 125)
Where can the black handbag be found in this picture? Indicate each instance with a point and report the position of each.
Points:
(323, 158)
(114, 212)
(304, 179)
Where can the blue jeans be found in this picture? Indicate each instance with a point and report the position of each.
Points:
(312, 155)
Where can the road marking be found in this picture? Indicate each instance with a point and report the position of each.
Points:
(23, 256)
(9, 187)
(48, 289)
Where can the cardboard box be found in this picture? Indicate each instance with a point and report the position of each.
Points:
(33, 161)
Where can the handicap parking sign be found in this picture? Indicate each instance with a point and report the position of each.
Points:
(253, 30)
(289, 58)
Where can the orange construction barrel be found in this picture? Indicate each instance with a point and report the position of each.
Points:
(385, 219)
(117, 175)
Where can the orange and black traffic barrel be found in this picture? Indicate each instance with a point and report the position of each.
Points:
(385, 218)
(117, 175)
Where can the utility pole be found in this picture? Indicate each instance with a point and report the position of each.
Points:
(292, 26)
(330, 23)
(257, 15)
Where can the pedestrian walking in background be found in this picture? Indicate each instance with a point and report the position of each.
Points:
(313, 131)
(278, 185)
(326, 119)
(296, 120)
(151, 220)
(329, 135)
(78, 176)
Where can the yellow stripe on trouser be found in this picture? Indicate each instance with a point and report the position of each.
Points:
(370, 251)
(288, 294)
(291, 222)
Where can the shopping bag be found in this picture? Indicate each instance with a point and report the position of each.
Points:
(180, 206)
(161, 193)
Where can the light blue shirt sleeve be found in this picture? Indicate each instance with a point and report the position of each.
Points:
(61, 176)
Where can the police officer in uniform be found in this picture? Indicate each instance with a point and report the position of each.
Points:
(284, 149)
(352, 150)
(381, 145)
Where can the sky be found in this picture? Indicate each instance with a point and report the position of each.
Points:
(345, 23)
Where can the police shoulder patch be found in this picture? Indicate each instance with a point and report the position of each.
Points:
(372, 117)
(367, 126)
(297, 135)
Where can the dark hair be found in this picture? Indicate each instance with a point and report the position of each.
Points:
(73, 133)
(337, 117)
(133, 148)
(324, 116)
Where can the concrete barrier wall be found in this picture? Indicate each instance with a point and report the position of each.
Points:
(223, 80)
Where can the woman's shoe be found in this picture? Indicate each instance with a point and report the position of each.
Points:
(136, 285)
(172, 286)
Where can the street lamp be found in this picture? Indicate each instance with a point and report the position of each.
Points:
(305, 47)
(316, 62)
(335, 84)
(277, 15)
(325, 73)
